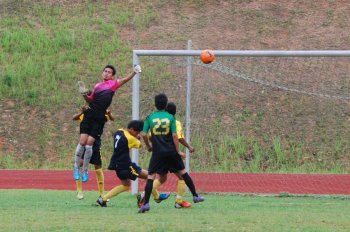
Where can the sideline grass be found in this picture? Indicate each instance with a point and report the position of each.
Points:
(39, 210)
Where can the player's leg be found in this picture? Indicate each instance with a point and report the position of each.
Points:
(87, 157)
(79, 151)
(95, 133)
(148, 190)
(125, 176)
(191, 186)
(97, 161)
(156, 163)
(99, 179)
(181, 190)
(79, 185)
(177, 166)
(125, 186)
(159, 197)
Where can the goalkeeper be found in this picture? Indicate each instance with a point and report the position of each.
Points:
(94, 117)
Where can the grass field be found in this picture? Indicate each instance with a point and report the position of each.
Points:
(39, 210)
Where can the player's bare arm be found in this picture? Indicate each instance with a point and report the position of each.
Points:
(77, 116)
(184, 142)
(176, 142)
(86, 98)
(146, 140)
(137, 69)
(110, 116)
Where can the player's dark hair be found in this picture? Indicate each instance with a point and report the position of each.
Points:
(137, 125)
(161, 100)
(111, 67)
(171, 108)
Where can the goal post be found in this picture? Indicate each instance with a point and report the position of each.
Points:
(251, 74)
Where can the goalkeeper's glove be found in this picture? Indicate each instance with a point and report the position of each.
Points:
(82, 88)
(137, 69)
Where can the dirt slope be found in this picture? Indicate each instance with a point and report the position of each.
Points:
(226, 25)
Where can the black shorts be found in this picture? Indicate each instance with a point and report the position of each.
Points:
(131, 172)
(92, 127)
(96, 153)
(164, 163)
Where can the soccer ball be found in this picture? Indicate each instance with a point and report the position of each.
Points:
(207, 56)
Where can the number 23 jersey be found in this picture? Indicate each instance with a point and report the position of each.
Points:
(161, 126)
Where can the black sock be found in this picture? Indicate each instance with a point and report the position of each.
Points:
(148, 190)
(189, 183)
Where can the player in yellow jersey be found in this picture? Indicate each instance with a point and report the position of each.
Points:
(95, 158)
(181, 186)
(126, 170)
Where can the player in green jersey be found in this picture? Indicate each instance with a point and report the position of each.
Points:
(164, 144)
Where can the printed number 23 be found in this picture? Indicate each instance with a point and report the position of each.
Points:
(161, 127)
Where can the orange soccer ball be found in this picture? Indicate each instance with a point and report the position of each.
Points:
(207, 56)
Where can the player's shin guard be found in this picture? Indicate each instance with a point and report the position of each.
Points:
(189, 183)
(115, 191)
(181, 189)
(79, 151)
(87, 157)
(100, 181)
(79, 185)
(155, 193)
(148, 190)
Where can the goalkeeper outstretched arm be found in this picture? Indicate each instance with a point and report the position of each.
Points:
(137, 69)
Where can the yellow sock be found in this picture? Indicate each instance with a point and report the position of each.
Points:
(79, 185)
(156, 184)
(115, 191)
(181, 190)
(100, 181)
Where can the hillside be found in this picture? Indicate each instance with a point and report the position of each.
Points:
(40, 133)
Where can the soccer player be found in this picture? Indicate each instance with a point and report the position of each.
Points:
(164, 145)
(94, 117)
(126, 170)
(181, 186)
(95, 158)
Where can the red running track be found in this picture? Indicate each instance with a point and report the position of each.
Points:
(254, 183)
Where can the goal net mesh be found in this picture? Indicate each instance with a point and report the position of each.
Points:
(258, 114)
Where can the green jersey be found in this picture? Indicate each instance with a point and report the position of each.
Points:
(161, 125)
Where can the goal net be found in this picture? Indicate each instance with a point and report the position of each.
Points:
(253, 111)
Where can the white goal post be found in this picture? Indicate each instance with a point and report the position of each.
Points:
(189, 54)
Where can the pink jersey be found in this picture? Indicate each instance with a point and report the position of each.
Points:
(101, 97)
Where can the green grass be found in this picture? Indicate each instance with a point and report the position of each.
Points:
(47, 47)
(39, 210)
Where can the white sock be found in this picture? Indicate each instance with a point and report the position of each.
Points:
(87, 157)
(78, 154)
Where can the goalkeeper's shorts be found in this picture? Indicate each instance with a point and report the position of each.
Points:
(92, 127)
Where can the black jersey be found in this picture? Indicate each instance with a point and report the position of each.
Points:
(123, 142)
